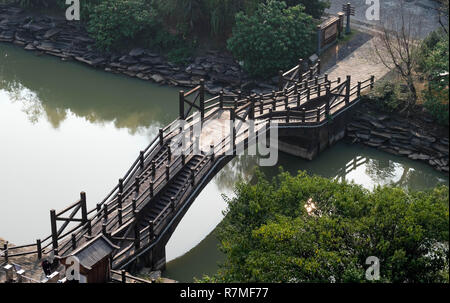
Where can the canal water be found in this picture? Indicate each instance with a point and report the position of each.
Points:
(66, 128)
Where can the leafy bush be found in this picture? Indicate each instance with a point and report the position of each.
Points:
(314, 8)
(311, 229)
(273, 38)
(434, 63)
(114, 23)
(386, 96)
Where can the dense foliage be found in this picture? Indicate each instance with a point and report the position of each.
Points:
(177, 27)
(273, 38)
(434, 65)
(314, 8)
(302, 228)
(115, 22)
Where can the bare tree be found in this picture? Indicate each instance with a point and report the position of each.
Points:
(398, 48)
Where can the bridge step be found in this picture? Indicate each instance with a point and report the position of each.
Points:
(171, 190)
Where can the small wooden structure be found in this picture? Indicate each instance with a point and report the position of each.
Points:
(94, 260)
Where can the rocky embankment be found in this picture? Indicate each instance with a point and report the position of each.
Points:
(70, 41)
(413, 138)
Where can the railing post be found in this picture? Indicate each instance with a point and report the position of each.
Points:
(202, 99)
(167, 172)
(251, 114)
(172, 204)
(347, 90)
(153, 168)
(288, 112)
(74, 241)
(221, 99)
(316, 80)
(123, 275)
(280, 80)
(308, 94)
(119, 215)
(319, 67)
(233, 139)
(212, 151)
(83, 207)
(39, 248)
(137, 237)
(319, 88)
(54, 229)
(119, 200)
(161, 136)
(286, 99)
(192, 177)
(327, 104)
(274, 98)
(359, 89)
(325, 76)
(261, 105)
(141, 159)
(372, 81)
(303, 115)
(121, 185)
(151, 189)
(298, 99)
(181, 100)
(5, 251)
(151, 231)
(183, 159)
(105, 212)
(318, 114)
(311, 73)
(89, 228)
(133, 205)
(300, 72)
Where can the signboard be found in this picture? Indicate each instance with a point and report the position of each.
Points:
(330, 31)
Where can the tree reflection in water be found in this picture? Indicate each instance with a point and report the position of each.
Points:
(50, 89)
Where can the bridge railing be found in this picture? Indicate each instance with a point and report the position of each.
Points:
(124, 277)
(296, 74)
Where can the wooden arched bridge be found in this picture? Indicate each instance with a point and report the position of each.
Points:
(141, 212)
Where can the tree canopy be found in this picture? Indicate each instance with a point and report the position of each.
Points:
(311, 229)
(272, 38)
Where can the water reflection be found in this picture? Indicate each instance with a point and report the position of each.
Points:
(49, 88)
(362, 165)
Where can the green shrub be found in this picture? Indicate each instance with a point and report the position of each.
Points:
(114, 23)
(386, 96)
(312, 229)
(314, 8)
(434, 63)
(273, 38)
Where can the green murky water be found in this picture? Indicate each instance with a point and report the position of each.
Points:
(66, 128)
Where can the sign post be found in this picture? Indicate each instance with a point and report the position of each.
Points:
(349, 11)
